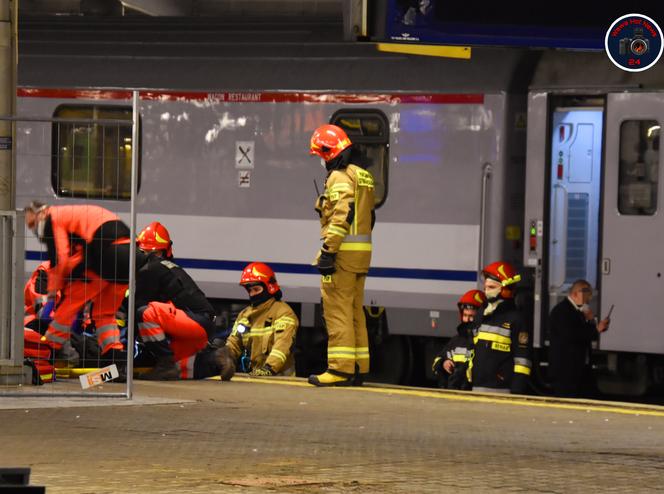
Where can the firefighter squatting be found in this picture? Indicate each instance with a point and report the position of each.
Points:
(76, 306)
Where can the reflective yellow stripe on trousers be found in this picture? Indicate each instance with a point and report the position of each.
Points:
(522, 365)
(278, 355)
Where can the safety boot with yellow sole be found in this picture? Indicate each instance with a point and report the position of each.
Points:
(330, 378)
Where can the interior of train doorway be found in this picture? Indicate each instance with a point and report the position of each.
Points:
(601, 224)
(569, 139)
(574, 197)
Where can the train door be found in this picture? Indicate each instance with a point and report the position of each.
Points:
(632, 267)
(574, 198)
(563, 197)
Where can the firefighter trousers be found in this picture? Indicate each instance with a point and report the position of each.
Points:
(161, 323)
(343, 310)
(105, 296)
(199, 366)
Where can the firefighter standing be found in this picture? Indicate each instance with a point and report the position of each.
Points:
(346, 210)
(88, 250)
(264, 332)
(502, 343)
(174, 317)
(451, 365)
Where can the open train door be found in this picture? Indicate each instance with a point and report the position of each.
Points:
(563, 197)
(632, 264)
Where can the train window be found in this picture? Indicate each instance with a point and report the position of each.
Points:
(92, 160)
(639, 167)
(370, 133)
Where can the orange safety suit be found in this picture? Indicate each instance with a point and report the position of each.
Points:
(88, 247)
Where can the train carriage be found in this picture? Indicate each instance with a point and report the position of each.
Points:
(542, 158)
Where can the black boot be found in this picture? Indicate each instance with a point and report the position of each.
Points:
(66, 355)
(358, 379)
(119, 358)
(164, 370)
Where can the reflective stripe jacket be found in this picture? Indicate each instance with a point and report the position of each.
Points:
(502, 349)
(267, 333)
(346, 217)
(73, 232)
(458, 350)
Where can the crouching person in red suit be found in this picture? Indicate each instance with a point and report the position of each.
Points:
(174, 318)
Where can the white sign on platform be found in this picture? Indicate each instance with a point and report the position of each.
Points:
(99, 376)
(244, 155)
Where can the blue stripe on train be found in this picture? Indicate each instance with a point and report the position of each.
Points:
(282, 267)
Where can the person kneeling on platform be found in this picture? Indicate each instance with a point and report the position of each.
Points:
(88, 250)
(451, 365)
(173, 315)
(264, 332)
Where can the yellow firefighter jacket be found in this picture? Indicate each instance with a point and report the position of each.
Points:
(346, 217)
(269, 334)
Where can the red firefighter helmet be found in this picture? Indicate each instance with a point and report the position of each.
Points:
(258, 272)
(328, 141)
(472, 299)
(155, 236)
(505, 274)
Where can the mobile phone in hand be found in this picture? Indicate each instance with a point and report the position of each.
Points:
(608, 316)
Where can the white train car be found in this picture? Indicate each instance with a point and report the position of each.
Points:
(228, 172)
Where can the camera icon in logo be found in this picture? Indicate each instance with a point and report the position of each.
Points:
(637, 45)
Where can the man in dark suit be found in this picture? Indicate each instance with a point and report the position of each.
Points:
(572, 329)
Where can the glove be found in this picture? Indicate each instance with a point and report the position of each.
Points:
(437, 367)
(121, 319)
(224, 361)
(326, 263)
(262, 371)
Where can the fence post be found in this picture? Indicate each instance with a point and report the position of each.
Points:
(12, 270)
(11, 248)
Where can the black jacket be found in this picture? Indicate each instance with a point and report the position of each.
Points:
(570, 337)
(161, 280)
(502, 349)
(458, 351)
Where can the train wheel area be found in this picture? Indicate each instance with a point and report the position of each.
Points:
(283, 435)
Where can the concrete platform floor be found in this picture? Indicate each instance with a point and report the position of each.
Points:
(265, 435)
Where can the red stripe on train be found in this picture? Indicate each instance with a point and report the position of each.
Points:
(254, 97)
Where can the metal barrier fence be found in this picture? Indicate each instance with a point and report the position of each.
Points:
(66, 152)
(11, 294)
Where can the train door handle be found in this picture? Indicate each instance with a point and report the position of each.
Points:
(606, 266)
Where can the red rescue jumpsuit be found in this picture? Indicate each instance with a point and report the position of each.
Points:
(88, 247)
(174, 317)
